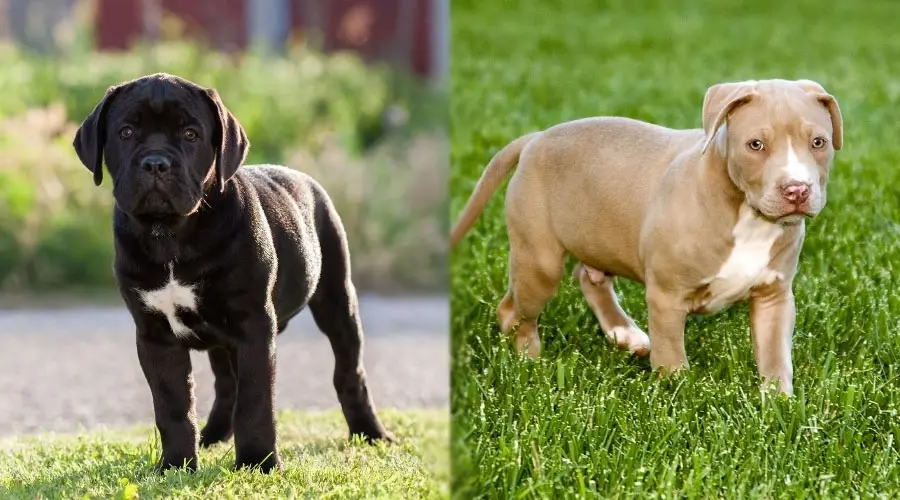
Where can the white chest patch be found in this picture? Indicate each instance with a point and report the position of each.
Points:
(747, 265)
(168, 299)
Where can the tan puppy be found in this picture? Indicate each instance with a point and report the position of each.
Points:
(704, 218)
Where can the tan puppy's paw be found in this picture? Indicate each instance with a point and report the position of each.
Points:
(667, 372)
(778, 386)
(529, 346)
(668, 368)
(632, 338)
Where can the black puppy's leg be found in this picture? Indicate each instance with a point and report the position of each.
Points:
(335, 308)
(254, 413)
(218, 427)
(167, 368)
(336, 312)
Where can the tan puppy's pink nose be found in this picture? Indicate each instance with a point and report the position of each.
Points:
(796, 193)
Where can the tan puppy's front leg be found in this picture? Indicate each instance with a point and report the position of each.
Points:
(772, 316)
(666, 318)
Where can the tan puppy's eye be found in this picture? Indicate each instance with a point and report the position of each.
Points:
(190, 134)
(819, 143)
(126, 132)
(756, 145)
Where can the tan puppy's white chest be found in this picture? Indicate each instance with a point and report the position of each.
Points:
(747, 265)
(168, 299)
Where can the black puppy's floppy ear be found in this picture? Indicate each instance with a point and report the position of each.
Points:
(91, 136)
(229, 139)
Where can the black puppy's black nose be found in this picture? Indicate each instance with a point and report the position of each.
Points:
(156, 164)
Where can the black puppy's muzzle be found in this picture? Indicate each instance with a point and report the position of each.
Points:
(157, 184)
(156, 164)
(153, 189)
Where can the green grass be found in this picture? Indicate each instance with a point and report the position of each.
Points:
(587, 420)
(319, 462)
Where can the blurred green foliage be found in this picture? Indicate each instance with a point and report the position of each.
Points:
(304, 106)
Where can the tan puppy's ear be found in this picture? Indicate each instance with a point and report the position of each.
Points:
(720, 100)
(830, 103)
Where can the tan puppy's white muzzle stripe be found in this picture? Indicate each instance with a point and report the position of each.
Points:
(797, 171)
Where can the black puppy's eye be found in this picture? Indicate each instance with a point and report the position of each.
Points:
(819, 143)
(755, 145)
(126, 132)
(190, 134)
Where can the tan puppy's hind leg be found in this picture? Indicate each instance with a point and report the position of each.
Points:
(598, 289)
(534, 273)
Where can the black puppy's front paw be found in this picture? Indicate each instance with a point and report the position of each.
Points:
(212, 434)
(267, 462)
(373, 433)
(188, 463)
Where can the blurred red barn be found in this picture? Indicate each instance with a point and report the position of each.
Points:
(398, 30)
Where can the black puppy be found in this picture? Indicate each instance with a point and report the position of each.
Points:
(217, 258)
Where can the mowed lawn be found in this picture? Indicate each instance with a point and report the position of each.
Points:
(587, 420)
(319, 462)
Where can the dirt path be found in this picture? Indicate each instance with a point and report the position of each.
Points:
(61, 370)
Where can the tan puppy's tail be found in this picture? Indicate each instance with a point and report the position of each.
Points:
(500, 165)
